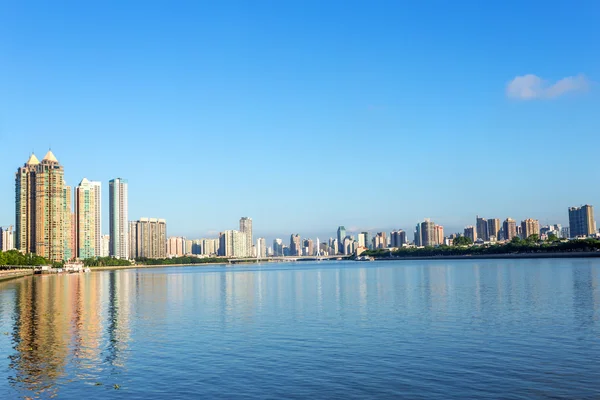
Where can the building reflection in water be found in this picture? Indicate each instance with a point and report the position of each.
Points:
(58, 323)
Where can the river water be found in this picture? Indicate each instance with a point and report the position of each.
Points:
(511, 329)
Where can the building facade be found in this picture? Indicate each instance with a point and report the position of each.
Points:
(428, 237)
(581, 221)
(86, 213)
(493, 228)
(482, 229)
(150, 238)
(510, 228)
(7, 239)
(471, 233)
(118, 218)
(246, 229)
(261, 247)
(295, 245)
(530, 227)
(42, 209)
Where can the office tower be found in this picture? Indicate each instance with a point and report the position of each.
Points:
(417, 236)
(341, 235)
(471, 233)
(176, 246)
(380, 240)
(510, 229)
(581, 221)
(278, 247)
(43, 216)
(428, 233)
(7, 239)
(233, 244)
(86, 213)
(151, 239)
(493, 228)
(439, 234)
(261, 247)
(104, 246)
(530, 227)
(246, 229)
(482, 229)
(118, 214)
(295, 245)
(307, 247)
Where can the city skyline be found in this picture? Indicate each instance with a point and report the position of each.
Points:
(235, 107)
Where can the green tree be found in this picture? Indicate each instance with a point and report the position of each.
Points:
(552, 238)
(532, 239)
(462, 241)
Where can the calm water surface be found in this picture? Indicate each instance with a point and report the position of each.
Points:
(510, 329)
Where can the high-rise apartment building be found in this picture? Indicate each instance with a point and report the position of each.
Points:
(380, 240)
(530, 227)
(176, 246)
(493, 228)
(397, 238)
(417, 236)
(132, 235)
(307, 247)
(510, 228)
(209, 247)
(363, 239)
(118, 217)
(42, 209)
(428, 233)
(482, 229)
(246, 229)
(581, 221)
(295, 245)
(104, 246)
(86, 214)
(439, 234)
(471, 233)
(261, 247)
(233, 244)
(7, 239)
(151, 238)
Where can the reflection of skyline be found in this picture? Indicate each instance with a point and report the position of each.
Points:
(93, 325)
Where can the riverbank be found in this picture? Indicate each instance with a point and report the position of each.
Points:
(13, 274)
(574, 254)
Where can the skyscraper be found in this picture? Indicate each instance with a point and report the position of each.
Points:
(581, 221)
(86, 213)
(482, 229)
(363, 239)
(246, 228)
(380, 240)
(530, 227)
(510, 229)
(493, 228)
(439, 234)
(42, 209)
(418, 237)
(341, 235)
(118, 218)
(232, 244)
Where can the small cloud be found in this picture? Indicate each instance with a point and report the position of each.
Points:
(529, 87)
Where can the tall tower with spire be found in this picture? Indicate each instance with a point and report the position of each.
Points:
(42, 205)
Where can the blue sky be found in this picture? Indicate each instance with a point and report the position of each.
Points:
(311, 114)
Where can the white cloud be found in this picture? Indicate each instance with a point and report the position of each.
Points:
(529, 87)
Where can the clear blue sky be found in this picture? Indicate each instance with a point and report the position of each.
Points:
(307, 115)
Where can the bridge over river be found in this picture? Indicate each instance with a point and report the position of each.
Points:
(289, 259)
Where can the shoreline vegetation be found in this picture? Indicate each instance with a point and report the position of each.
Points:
(523, 248)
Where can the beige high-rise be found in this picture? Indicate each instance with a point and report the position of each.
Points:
(43, 209)
(530, 227)
(86, 222)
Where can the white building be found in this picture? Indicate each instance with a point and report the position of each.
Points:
(118, 218)
(7, 239)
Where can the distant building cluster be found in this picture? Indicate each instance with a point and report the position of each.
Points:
(53, 222)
